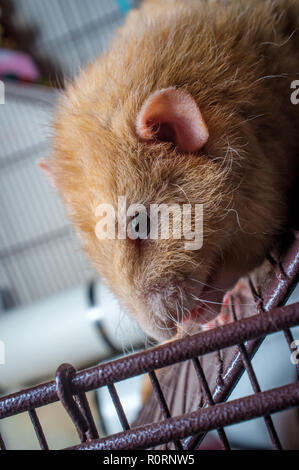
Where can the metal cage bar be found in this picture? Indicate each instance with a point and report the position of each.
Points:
(162, 402)
(2, 444)
(209, 399)
(202, 420)
(118, 406)
(38, 430)
(256, 388)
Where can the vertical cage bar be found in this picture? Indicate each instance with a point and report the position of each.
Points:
(256, 387)
(162, 402)
(159, 395)
(2, 444)
(118, 407)
(38, 429)
(208, 396)
(81, 400)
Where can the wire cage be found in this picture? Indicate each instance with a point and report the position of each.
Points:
(234, 344)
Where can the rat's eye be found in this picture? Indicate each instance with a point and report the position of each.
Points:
(139, 226)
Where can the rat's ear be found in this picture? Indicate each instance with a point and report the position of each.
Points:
(172, 115)
(45, 166)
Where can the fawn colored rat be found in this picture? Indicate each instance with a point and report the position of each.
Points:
(190, 104)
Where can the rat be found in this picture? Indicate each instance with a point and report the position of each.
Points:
(190, 104)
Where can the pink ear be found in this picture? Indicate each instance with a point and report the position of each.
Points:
(44, 165)
(172, 115)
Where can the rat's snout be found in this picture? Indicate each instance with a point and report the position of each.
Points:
(184, 305)
(178, 306)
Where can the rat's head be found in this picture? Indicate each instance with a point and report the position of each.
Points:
(151, 130)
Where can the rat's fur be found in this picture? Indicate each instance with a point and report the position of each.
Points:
(237, 59)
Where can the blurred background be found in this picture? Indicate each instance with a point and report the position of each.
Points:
(53, 306)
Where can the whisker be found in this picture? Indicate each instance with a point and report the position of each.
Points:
(208, 285)
(205, 301)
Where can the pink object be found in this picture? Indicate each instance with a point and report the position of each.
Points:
(172, 115)
(19, 64)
